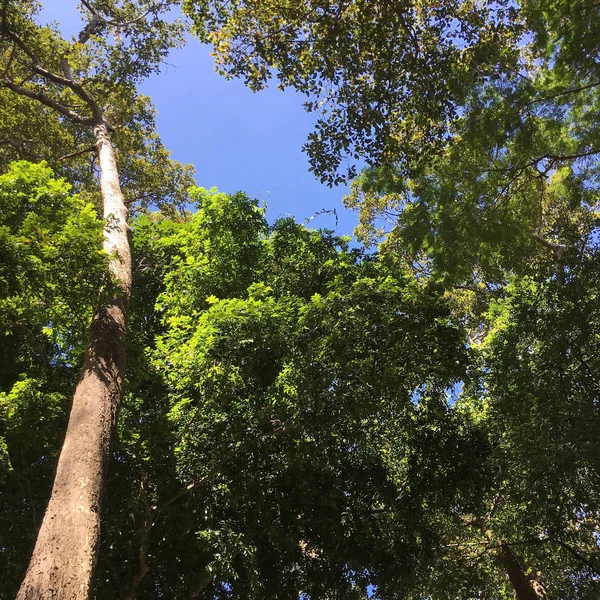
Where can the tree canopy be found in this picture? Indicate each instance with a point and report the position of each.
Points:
(411, 414)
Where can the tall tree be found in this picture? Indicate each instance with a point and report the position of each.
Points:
(79, 80)
(271, 441)
(52, 270)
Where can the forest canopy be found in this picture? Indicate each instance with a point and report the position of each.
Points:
(200, 401)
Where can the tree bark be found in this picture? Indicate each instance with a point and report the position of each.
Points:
(526, 587)
(64, 557)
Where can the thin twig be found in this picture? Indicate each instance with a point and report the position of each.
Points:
(574, 552)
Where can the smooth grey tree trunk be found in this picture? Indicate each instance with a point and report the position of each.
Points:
(64, 557)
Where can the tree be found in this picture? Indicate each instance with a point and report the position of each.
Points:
(468, 103)
(213, 472)
(534, 395)
(509, 189)
(510, 205)
(387, 78)
(77, 81)
(260, 372)
(53, 269)
(519, 164)
(267, 358)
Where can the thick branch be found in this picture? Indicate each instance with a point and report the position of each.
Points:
(553, 157)
(558, 249)
(526, 587)
(14, 142)
(573, 90)
(67, 81)
(66, 67)
(49, 102)
(27, 484)
(19, 42)
(76, 87)
(112, 23)
(9, 61)
(4, 14)
(91, 27)
(203, 583)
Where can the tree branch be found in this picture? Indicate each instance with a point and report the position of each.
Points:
(66, 67)
(16, 143)
(113, 23)
(91, 27)
(152, 512)
(75, 86)
(34, 518)
(85, 150)
(203, 583)
(577, 555)
(556, 248)
(574, 90)
(553, 157)
(9, 61)
(559, 254)
(49, 102)
(4, 22)
(144, 535)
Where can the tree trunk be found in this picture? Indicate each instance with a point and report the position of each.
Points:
(526, 588)
(64, 557)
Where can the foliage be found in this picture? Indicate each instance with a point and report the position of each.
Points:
(304, 419)
(536, 396)
(51, 270)
(386, 78)
(286, 417)
(52, 264)
(518, 170)
(106, 67)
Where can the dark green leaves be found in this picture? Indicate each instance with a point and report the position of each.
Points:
(385, 78)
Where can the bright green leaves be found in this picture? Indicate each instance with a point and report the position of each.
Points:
(474, 217)
(281, 388)
(52, 262)
(28, 414)
(52, 268)
(219, 245)
(51, 271)
(513, 185)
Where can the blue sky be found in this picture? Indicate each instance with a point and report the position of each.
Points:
(236, 139)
